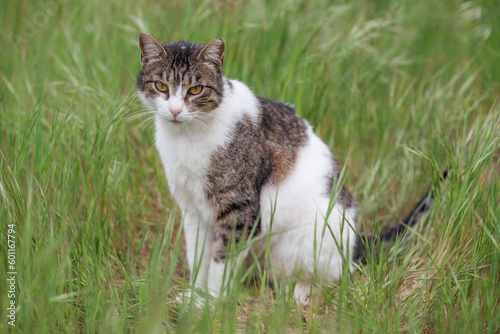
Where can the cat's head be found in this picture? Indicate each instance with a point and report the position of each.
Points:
(181, 81)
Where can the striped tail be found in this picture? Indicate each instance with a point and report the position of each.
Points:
(392, 233)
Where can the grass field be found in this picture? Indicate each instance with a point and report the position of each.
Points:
(398, 89)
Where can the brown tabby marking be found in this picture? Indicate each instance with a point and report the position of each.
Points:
(258, 154)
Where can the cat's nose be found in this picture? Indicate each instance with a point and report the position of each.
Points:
(175, 111)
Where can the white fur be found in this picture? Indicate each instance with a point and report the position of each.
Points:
(299, 204)
(299, 209)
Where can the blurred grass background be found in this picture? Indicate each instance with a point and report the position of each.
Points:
(398, 89)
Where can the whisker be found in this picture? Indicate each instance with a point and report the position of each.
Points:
(147, 129)
(200, 125)
(201, 119)
(208, 117)
(139, 115)
(144, 123)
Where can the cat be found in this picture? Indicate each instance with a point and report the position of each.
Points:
(241, 166)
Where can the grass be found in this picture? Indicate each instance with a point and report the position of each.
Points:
(398, 89)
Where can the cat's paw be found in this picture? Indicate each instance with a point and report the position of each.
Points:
(302, 292)
(194, 298)
(183, 297)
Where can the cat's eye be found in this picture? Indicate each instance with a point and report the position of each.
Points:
(161, 86)
(195, 90)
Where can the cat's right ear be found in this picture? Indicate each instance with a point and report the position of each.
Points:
(150, 48)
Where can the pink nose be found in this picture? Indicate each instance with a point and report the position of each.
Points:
(175, 111)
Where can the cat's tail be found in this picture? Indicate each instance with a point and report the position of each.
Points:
(391, 234)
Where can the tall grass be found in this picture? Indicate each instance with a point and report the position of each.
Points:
(398, 89)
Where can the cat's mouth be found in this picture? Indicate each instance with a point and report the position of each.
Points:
(175, 120)
(171, 119)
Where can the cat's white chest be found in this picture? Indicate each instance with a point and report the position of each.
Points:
(186, 174)
(186, 163)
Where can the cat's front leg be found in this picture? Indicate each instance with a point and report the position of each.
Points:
(199, 242)
(223, 271)
(235, 223)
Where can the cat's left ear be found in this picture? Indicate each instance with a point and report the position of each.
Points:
(214, 52)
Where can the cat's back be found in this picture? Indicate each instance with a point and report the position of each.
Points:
(284, 132)
(280, 119)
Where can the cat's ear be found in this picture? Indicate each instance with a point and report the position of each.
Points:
(150, 48)
(214, 52)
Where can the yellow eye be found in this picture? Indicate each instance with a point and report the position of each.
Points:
(161, 86)
(195, 90)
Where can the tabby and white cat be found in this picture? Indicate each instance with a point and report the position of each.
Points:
(235, 162)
